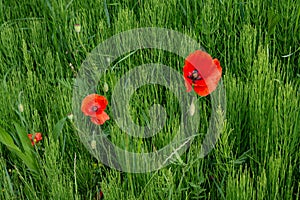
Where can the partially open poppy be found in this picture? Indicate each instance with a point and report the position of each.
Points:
(94, 105)
(202, 72)
(37, 137)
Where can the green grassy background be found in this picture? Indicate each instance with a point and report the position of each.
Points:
(257, 43)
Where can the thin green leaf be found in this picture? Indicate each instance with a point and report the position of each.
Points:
(7, 140)
(28, 160)
(58, 127)
(25, 141)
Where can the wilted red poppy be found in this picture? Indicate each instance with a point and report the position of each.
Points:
(202, 72)
(94, 105)
(37, 137)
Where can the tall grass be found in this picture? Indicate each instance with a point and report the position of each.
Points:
(257, 43)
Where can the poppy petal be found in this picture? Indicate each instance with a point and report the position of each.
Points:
(100, 119)
(38, 137)
(201, 61)
(201, 90)
(29, 136)
(212, 81)
(217, 63)
(187, 71)
(188, 86)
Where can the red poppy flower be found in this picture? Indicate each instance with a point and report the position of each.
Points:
(36, 139)
(202, 72)
(94, 105)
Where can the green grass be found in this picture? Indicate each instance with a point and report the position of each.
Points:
(257, 43)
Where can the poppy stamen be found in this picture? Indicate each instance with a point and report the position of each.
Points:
(195, 76)
(94, 108)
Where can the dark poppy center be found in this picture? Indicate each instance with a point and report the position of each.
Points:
(94, 108)
(195, 76)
